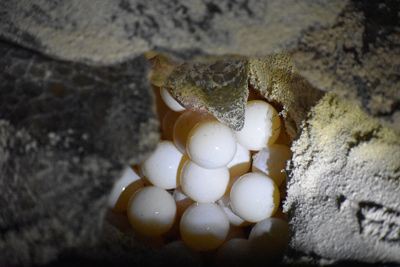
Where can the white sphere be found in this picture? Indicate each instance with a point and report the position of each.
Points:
(241, 162)
(162, 168)
(234, 219)
(271, 160)
(168, 123)
(273, 230)
(151, 211)
(204, 226)
(128, 176)
(123, 189)
(261, 126)
(254, 197)
(211, 144)
(184, 124)
(182, 200)
(268, 240)
(204, 185)
(170, 101)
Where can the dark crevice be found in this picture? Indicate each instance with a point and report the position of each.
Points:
(380, 20)
(339, 201)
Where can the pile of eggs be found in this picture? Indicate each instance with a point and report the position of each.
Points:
(209, 188)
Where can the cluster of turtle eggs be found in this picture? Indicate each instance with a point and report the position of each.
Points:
(205, 182)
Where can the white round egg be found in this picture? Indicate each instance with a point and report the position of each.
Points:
(241, 162)
(261, 126)
(162, 168)
(272, 230)
(129, 181)
(268, 240)
(151, 211)
(211, 144)
(234, 219)
(271, 161)
(204, 226)
(254, 197)
(204, 185)
(184, 124)
(168, 124)
(170, 101)
(182, 200)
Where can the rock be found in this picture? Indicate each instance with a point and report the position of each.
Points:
(219, 87)
(358, 58)
(343, 189)
(66, 132)
(277, 79)
(68, 129)
(113, 31)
